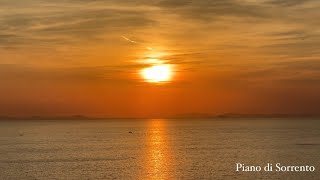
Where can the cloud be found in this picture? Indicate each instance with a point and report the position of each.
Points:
(174, 4)
(13, 73)
(295, 48)
(64, 22)
(300, 66)
(207, 9)
(287, 2)
(270, 28)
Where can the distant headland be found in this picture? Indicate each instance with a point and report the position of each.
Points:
(178, 116)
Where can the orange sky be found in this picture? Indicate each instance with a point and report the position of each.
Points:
(239, 56)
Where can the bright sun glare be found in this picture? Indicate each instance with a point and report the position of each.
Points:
(157, 73)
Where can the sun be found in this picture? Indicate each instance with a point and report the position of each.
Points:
(157, 73)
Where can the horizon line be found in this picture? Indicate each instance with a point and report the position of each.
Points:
(188, 116)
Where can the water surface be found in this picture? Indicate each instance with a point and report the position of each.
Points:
(157, 148)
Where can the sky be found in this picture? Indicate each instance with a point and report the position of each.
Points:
(77, 57)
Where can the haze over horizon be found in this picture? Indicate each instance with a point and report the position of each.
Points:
(99, 58)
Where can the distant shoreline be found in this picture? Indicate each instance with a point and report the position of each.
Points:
(222, 116)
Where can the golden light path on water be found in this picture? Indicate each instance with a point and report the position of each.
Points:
(159, 161)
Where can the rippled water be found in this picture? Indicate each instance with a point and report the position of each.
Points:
(157, 149)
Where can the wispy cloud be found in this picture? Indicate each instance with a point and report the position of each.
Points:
(278, 31)
(44, 21)
(71, 75)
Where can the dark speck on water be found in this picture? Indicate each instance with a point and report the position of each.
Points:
(307, 144)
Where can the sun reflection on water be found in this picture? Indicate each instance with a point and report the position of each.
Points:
(159, 158)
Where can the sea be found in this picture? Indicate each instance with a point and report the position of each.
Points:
(159, 149)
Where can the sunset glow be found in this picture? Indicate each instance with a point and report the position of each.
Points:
(102, 58)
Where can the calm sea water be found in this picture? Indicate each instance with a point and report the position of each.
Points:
(157, 148)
